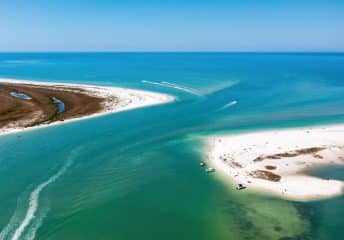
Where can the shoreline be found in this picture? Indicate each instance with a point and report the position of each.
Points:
(277, 162)
(115, 99)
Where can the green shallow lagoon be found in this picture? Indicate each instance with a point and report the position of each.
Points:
(136, 174)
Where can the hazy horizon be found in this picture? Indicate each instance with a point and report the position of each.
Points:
(152, 26)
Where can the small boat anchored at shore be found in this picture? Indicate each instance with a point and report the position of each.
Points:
(202, 163)
(209, 170)
(240, 186)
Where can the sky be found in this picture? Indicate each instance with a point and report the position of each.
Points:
(179, 25)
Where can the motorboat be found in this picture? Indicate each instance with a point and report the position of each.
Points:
(240, 186)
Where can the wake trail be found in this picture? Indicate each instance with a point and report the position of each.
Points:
(33, 202)
(32, 232)
(175, 86)
(33, 206)
(181, 86)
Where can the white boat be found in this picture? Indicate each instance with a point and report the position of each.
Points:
(240, 186)
(208, 170)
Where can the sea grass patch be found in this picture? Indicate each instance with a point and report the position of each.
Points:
(266, 175)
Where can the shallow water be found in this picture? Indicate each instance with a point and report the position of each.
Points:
(20, 95)
(59, 104)
(136, 174)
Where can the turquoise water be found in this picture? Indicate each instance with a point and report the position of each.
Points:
(136, 175)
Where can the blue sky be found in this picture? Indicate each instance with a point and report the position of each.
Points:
(104, 25)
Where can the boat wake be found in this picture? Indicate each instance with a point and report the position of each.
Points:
(183, 88)
(31, 233)
(175, 86)
(16, 227)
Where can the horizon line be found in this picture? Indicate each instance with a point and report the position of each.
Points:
(199, 51)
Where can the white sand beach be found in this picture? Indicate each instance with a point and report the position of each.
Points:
(277, 161)
(116, 99)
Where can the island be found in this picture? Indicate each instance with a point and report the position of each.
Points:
(28, 104)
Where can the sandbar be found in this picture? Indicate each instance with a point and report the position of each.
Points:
(279, 162)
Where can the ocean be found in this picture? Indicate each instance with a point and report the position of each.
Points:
(136, 175)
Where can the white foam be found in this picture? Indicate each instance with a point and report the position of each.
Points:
(175, 86)
(192, 90)
(32, 232)
(15, 219)
(34, 202)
